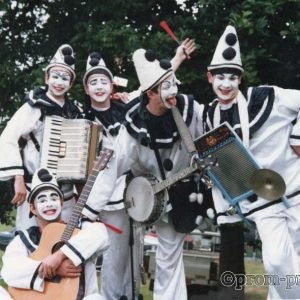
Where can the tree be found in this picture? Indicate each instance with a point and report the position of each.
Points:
(32, 30)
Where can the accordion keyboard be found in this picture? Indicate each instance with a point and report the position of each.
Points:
(68, 146)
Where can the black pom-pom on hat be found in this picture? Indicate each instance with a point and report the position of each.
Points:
(229, 53)
(96, 65)
(64, 56)
(95, 58)
(44, 175)
(69, 60)
(95, 55)
(94, 61)
(149, 69)
(150, 55)
(165, 64)
(67, 51)
(231, 39)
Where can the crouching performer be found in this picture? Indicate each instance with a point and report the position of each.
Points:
(52, 274)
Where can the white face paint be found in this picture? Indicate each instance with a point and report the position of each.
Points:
(168, 91)
(59, 82)
(225, 86)
(99, 88)
(48, 205)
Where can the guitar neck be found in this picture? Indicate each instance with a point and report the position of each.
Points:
(160, 186)
(99, 165)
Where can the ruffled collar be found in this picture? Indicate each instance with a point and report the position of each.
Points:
(38, 98)
(111, 118)
(260, 103)
(139, 121)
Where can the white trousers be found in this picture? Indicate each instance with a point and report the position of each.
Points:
(280, 236)
(169, 282)
(116, 276)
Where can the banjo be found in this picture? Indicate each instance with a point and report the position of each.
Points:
(146, 197)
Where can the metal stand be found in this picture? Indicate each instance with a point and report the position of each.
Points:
(131, 244)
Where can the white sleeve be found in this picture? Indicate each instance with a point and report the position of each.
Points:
(134, 94)
(125, 153)
(90, 241)
(288, 99)
(21, 124)
(19, 270)
(198, 112)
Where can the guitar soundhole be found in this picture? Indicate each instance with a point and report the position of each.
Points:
(57, 246)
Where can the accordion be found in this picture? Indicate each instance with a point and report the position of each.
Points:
(69, 147)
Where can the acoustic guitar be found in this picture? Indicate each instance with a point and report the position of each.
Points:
(54, 236)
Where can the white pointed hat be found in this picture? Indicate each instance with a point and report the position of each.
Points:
(227, 53)
(94, 64)
(64, 57)
(43, 179)
(150, 71)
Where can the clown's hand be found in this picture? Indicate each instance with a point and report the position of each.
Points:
(186, 48)
(124, 97)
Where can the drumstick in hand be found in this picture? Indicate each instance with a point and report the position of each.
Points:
(163, 24)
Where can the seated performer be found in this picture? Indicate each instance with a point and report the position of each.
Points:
(27, 125)
(74, 259)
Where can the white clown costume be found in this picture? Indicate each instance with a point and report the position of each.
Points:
(133, 152)
(116, 266)
(264, 122)
(82, 249)
(27, 124)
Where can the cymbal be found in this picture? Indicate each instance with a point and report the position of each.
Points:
(267, 184)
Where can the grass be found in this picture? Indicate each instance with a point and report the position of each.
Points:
(255, 292)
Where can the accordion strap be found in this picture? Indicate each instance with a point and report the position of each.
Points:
(35, 141)
(157, 154)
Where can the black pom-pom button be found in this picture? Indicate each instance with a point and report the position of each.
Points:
(150, 55)
(165, 64)
(69, 60)
(44, 175)
(229, 53)
(94, 61)
(168, 164)
(66, 51)
(95, 55)
(231, 39)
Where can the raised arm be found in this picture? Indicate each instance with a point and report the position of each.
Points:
(186, 48)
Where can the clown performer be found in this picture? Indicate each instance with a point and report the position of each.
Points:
(149, 129)
(74, 258)
(116, 273)
(27, 125)
(263, 118)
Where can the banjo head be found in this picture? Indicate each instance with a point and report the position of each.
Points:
(141, 203)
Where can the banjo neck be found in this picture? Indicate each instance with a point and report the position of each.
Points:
(160, 186)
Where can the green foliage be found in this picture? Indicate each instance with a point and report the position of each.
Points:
(32, 30)
(6, 192)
